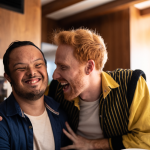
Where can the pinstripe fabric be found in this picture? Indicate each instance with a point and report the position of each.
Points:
(114, 111)
(68, 106)
(115, 106)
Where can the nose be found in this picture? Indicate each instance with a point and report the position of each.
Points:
(31, 72)
(56, 75)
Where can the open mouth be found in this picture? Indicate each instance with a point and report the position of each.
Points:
(65, 86)
(32, 81)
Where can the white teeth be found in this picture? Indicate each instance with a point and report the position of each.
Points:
(32, 82)
(64, 83)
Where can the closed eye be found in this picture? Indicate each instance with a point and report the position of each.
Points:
(21, 69)
(63, 67)
(38, 65)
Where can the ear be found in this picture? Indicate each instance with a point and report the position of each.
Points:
(90, 66)
(7, 77)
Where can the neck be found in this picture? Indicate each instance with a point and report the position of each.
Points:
(33, 108)
(94, 88)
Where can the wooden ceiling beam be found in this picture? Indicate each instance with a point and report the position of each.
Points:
(57, 5)
(100, 10)
(145, 11)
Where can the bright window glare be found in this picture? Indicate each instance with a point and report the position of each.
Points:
(143, 5)
(50, 69)
(140, 60)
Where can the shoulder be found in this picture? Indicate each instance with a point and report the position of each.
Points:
(3, 111)
(3, 107)
(4, 133)
(127, 75)
(134, 79)
(121, 76)
(4, 129)
(138, 78)
(3, 123)
(120, 72)
(127, 72)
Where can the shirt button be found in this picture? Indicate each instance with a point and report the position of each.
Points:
(30, 127)
(104, 90)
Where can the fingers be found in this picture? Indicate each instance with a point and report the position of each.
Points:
(69, 135)
(1, 118)
(70, 130)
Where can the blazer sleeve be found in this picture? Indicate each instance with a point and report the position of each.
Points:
(139, 118)
(139, 121)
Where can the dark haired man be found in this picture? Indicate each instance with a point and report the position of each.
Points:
(107, 110)
(30, 119)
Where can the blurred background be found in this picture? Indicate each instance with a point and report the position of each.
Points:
(124, 25)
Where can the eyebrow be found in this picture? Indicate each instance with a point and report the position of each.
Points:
(60, 64)
(25, 63)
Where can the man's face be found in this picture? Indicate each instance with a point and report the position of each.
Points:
(69, 72)
(28, 74)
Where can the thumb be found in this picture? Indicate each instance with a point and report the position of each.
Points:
(1, 118)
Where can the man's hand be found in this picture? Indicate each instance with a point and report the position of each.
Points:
(81, 143)
(1, 118)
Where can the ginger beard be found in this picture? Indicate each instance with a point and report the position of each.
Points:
(76, 86)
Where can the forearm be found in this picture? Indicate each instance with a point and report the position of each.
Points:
(102, 144)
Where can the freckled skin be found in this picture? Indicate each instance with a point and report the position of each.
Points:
(73, 72)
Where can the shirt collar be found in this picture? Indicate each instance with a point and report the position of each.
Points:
(76, 102)
(108, 83)
(13, 107)
(51, 104)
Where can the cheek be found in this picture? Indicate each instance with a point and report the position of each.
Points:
(17, 78)
(72, 77)
(43, 72)
(68, 74)
(18, 75)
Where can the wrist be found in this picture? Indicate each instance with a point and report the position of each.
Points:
(100, 144)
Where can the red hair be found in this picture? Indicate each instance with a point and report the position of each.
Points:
(88, 45)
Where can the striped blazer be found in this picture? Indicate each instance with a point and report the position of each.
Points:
(113, 109)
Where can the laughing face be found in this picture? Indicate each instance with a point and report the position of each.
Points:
(28, 75)
(69, 72)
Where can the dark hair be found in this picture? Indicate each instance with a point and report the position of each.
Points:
(12, 46)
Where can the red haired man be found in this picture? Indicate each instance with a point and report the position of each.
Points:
(106, 110)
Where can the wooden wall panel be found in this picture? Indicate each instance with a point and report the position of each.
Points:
(16, 26)
(114, 28)
(44, 29)
(48, 27)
